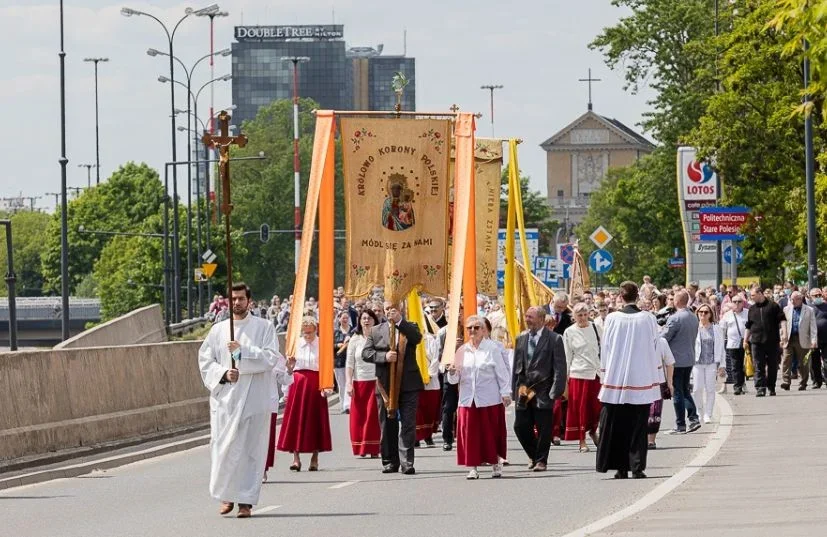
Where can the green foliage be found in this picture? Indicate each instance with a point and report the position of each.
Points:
(536, 212)
(122, 203)
(637, 204)
(263, 193)
(129, 273)
(28, 239)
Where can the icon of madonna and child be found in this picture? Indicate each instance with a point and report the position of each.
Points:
(397, 209)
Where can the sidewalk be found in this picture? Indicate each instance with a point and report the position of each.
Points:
(767, 479)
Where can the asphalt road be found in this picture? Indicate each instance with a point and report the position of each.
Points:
(168, 496)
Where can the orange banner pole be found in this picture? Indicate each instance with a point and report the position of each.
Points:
(322, 152)
(469, 276)
(326, 268)
(463, 181)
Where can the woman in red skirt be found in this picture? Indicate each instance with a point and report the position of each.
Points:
(582, 343)
(360, 378)
(306, 424)
(484, 391)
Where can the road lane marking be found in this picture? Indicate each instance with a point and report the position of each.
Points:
(266, 509)
(343, 485)
(701, 459)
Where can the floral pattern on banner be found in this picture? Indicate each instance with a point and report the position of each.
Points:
(360, 270)
(431, 270)
(435, 138)
(396, 278)
(358, 136)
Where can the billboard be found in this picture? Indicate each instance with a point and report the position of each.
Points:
(698, 188)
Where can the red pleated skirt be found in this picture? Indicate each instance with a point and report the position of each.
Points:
(305, 427)
(427, 413)
(481, 435)
(271, 443)
(364, 419)
(583, 413)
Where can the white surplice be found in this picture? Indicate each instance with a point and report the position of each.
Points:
(240, 411)
(630, 366)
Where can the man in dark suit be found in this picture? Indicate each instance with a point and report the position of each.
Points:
(539, 365)
(397, 441)
(559, 308)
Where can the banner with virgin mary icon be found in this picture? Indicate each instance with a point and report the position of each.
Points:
(396, 205)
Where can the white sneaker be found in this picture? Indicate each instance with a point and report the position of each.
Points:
(497, 470)
(473, 474)
(722, 389)
(707, 419)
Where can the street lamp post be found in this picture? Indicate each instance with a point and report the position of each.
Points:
(88, 173)
(191, 99)
(97, 123)
(491, 88)
(10, 281)
(809, 169)
(128, 12)
(64, 205)
(296, 60)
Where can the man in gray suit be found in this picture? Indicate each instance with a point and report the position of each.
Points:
(397, 440)
(681, 331)
(540, 369)
(799, 336)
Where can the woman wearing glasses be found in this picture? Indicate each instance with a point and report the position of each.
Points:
(484, 392)
(582, 344)
(709, 360)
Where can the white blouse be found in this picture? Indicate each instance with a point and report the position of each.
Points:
(483, 377)
(362, 370)
(582, 351)
(307, 356)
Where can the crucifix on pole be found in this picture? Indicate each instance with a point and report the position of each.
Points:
(590, 80)
(222, 143)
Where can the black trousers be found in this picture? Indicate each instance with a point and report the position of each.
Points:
(818, 364)
(525, 420)
(765, 358)
(735, 363)
(397, 443)
(682, 398)
(623, 443)
(450, 402)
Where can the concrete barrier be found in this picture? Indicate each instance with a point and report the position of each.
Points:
(144, 325)
(65, 399)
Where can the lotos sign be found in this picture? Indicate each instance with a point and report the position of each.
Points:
(699, 181)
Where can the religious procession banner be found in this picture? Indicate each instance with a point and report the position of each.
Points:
(579, 276)
(526, 279)
(396, 205)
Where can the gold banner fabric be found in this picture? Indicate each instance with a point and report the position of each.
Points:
(396, 205)
(579, 276)
(488, 159)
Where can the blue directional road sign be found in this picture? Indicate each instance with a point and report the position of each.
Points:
(601, 261)
(739, 255)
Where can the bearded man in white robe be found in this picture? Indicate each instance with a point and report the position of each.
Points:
(632, 373)
(239, 402)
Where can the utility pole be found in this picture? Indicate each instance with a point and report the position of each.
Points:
(10, 281)
(97, 121)
(88, 173)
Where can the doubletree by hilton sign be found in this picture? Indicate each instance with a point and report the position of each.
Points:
(280, 33)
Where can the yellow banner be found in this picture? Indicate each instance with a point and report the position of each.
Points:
(579, 276)
(525, 281)
(488, 159)
(396, 205)
(416, 315)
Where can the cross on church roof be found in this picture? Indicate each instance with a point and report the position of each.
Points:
(590, 80)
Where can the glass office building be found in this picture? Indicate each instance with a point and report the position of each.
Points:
(336, 77)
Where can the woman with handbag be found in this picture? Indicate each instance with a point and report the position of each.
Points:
(656, 409)
(709, 360)
(582, 344)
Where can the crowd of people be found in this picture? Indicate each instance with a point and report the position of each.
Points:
(596, 367)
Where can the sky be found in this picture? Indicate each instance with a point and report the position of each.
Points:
(537, 49)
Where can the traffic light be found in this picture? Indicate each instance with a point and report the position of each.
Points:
(264, 233)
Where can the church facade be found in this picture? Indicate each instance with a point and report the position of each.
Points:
(580, 155)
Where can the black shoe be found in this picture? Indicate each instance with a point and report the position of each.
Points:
(802, 387)
(417, 444)
(447, 446)
(652, 445)
(738, 391)
(390, 469)
(760, 392)
(429, 442)
(772, 393)
(694, 426)
(817, 385)
(621, 475)
(638, 475)
(785, 386)
(409, 470)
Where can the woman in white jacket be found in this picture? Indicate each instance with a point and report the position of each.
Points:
(710, 360)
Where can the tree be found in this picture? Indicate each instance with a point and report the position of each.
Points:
(129, 273)
(536, 211)
(28, 238)
(263, 194)
(132, 194)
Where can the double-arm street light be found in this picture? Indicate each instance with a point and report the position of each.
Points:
(192, 98)
(89, 173)
(129, 12)
(491, 88)
(96, 61)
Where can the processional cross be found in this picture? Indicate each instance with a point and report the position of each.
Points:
(222, 142)
(590, 80)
